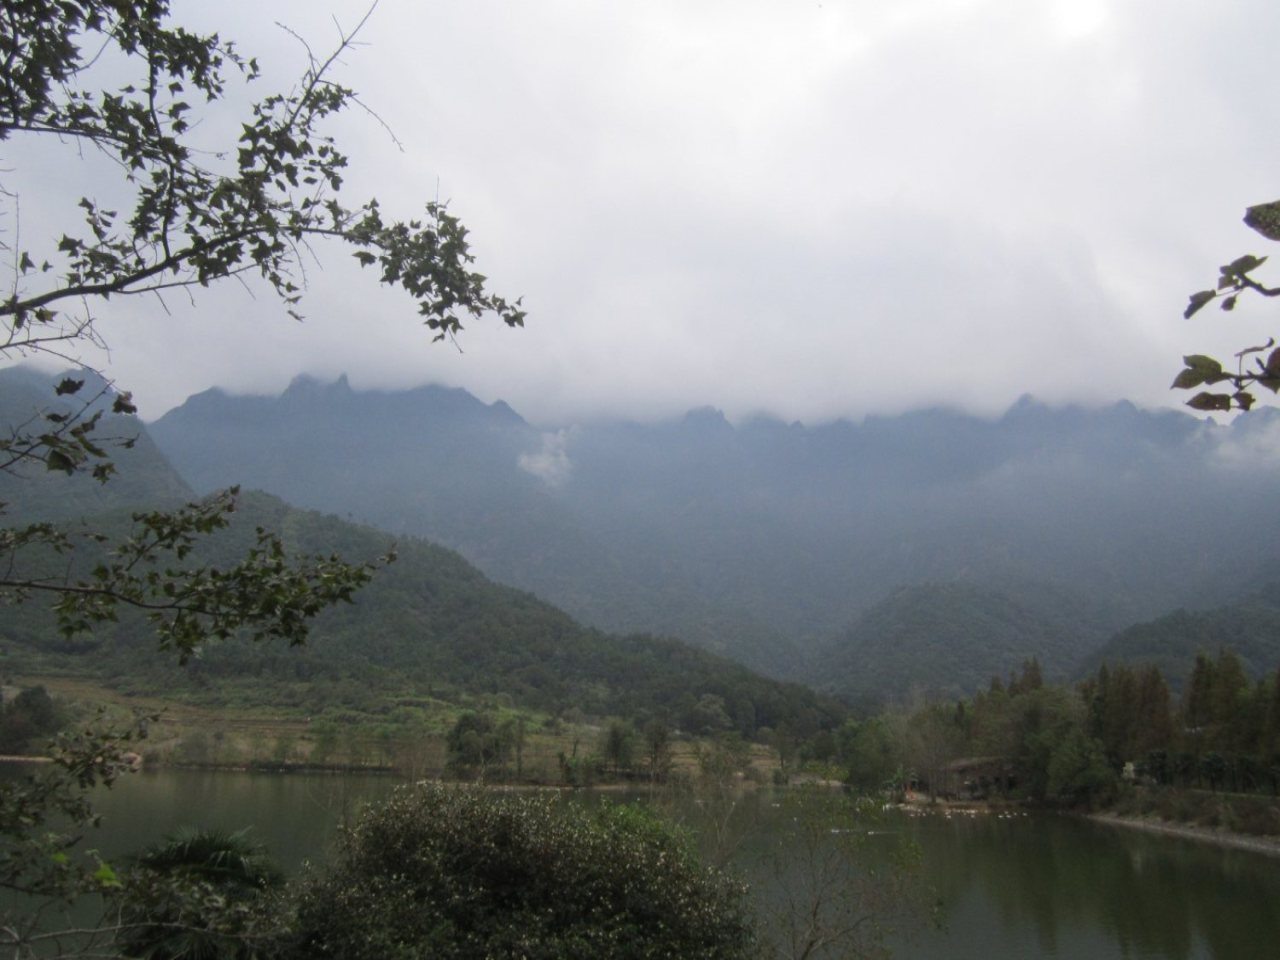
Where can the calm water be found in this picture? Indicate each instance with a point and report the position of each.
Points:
(1030, 887)
(1066, 888)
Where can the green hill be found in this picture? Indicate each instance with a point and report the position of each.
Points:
(1249, 628)
(429, 626)
(762, 539)
(950, 639)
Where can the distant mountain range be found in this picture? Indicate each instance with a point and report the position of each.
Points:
(430, 625)
(928, 551)
(765, 540)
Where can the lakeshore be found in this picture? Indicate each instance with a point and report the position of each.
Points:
(1267, 845)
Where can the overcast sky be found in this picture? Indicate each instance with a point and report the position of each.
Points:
(808, 209)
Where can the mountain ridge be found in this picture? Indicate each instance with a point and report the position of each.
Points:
(429, 622)
(763, 540)
(770, 542)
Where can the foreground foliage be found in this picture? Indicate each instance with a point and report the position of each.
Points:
(1256, 366)
(194, 212)
(198, 214)
(199, 894)
(447, 872)
(44, 865)
(128, 91)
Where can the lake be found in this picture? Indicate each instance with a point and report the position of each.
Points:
(1019, 887)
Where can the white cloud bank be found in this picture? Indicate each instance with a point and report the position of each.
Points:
(815, 210)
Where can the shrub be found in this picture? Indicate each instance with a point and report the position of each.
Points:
(26, 720)
(198, 894)
(457, 873)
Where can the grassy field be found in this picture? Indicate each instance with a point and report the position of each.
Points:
(407, 734)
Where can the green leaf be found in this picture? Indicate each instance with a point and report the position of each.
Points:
(1197, 301)
(1242, 265)
(105, 876)
(1271, 342)
(1200, 369)
(1187, 379)
(57, 460)
(1210, 401)
(1207, 366)
(1265, 219)
(1273, 363)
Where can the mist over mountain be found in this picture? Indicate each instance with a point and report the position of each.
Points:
(765, 540)
(429, 624)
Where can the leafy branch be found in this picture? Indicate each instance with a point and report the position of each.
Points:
(65, 440)
(1256, 366)
(190, 217)
(265, 594)
(41, 815)
(192, 224)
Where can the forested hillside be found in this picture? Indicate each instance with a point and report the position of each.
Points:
(948, 640)
(687, 523)
(764, 540)
(438, 463)
(1248, 628)
(429, 625)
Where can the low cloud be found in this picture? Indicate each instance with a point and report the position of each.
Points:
(551, 464)
(1248, 444)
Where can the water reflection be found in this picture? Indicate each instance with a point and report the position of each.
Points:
(294, 815)
(1028, 887)
(1077, 889)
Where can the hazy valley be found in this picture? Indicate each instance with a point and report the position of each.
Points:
(928, 550)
